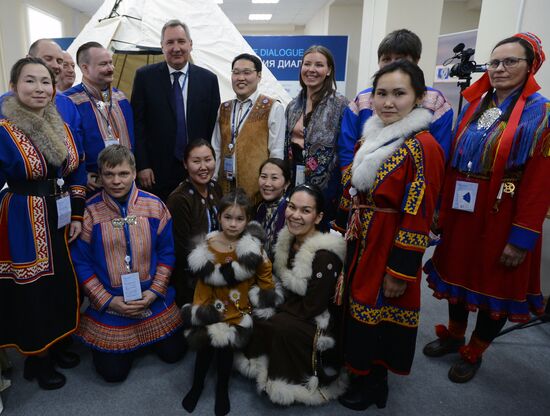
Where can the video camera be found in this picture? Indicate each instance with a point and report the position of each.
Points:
(465, 68)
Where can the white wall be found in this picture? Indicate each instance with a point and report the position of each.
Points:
(346, 20)
(318, 25)
(503, 18)
(14, 28)
(457, 17)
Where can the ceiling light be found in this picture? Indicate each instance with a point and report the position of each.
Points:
(265, 1)
(260, 16)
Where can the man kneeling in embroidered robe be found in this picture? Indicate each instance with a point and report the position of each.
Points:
(124, 258)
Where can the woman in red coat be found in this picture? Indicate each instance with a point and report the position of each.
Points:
(495, 198)
(389, 198)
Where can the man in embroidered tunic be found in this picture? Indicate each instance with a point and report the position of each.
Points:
(105, 112)
(399, 44)
(249, 129)
(126, 243)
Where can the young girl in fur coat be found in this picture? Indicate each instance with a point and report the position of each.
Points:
(228, 265)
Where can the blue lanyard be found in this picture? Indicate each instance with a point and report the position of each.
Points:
(212, 225)
(184, 81)
(275, 211)
(240, 122)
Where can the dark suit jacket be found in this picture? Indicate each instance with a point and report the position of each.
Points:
(155, 118)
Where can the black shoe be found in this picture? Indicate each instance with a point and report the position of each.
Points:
(442, 346)
(361, 394)
(463, 371)
(191, 399)
(42, 369)
(64, 358)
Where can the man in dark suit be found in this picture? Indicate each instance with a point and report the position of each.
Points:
(174, 103)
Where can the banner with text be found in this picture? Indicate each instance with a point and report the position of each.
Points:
(282, 55)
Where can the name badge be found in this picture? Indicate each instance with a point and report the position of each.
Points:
(228, 167)
(464, 198)
(63, 211)
(131, 286)
(300, 175)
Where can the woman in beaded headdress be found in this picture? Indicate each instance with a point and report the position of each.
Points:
(494, 201)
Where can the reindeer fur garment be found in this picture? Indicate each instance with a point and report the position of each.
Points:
(47, 133)
(249, 256)
(296, 278)
(379, 141)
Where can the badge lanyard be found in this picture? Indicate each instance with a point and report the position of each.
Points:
(235, 129)
(274, 214)
(128, 258)
(212, 223)
(183, 85)
(100, 105)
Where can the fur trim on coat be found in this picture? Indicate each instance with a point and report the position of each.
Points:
(297, 278)
(378, 142)
(47, 133)
(285, 393)
(199, 315)
(265, 301)
(220, 334)
(249, 256)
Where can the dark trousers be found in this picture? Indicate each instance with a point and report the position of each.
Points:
(486, 328)
(114, 367)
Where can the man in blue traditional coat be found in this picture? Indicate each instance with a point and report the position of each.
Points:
(106, 113)
(399, 44)
(123, 258)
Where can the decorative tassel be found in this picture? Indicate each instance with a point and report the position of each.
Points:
(474, 350)
(354, 225)
(339, 291)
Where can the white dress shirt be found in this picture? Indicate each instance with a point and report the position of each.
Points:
(276, 123)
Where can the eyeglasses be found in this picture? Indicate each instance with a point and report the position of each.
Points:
(506, 62)
(245, 72)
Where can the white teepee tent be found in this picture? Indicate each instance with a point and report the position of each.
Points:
(132, 26)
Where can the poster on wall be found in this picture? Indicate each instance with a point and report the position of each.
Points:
(283, 56)
(443, 81)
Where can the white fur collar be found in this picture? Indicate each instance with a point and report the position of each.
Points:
(296, 279)
(47, 132)
(377, 144)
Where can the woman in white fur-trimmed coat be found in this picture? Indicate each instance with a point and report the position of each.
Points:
(229, 264)
(292, 354)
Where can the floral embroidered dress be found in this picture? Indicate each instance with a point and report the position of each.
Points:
(319, 155)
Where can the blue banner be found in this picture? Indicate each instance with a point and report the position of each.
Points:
(283, 54)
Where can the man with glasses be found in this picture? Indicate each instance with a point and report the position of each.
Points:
(250, 128)
(174, 103)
